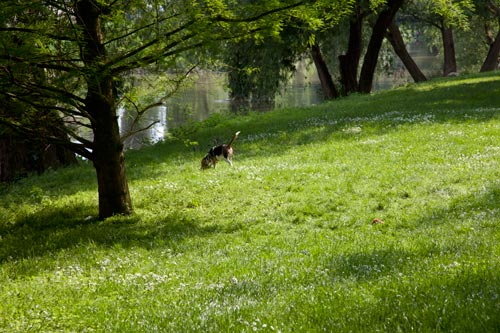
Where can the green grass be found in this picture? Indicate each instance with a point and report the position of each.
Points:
(283, 241)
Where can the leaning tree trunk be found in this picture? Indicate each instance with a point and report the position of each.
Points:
(100, 103)
(394, 37)
(327, 85)
(450, 62)
(378, 33)
(491, 61)
(349, 62)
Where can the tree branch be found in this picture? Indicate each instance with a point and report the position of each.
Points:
(150, 44)
(164, 52)
(220, 18)
(131, 133)
(79, 148)
(139, 29)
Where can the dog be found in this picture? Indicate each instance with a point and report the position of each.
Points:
(217, 153)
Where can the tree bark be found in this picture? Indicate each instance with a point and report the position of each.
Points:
(349, 62)
(450, 62)
(378, 33)
(327, 85)
(100, 103)
(491, 61)
(394, 37)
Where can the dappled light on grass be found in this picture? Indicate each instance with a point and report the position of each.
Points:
(282, 241)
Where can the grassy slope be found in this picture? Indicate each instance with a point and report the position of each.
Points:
(283, 241)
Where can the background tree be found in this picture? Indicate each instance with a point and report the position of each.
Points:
(21, 154)
(384, 19)
(87, 47)
(394, 36)
(444, 15)
(489, 13)
(259, 67)
(383, 13)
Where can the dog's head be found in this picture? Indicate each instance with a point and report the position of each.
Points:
(206, 162)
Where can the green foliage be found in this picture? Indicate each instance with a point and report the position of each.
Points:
(48, 65)
(258, 65)
(454, 13)
(284, 240)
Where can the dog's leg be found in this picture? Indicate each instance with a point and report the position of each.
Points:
(228, 161)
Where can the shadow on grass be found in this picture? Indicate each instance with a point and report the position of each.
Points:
(52, 183)
(477, 210)
(470, 233)
(449, 282)
(460, 300)
(47, 233)
(362, 266)
(465, 300)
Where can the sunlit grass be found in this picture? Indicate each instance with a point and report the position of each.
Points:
(284, 240)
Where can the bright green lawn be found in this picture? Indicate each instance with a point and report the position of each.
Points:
(283, 241)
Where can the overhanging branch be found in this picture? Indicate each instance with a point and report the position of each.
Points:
(168, 50)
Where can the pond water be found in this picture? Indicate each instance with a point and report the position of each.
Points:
(208, 94)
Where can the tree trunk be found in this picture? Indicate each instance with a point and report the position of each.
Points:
(109, 162)
(378, 33)
(491, 61)
(327, 85)
(100, 103)
(450, 62)
(394, 37)
(239, 84)
(349, 62)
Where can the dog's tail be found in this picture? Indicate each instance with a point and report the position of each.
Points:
(232, 140)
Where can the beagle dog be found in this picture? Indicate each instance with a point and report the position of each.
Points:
(217, 153)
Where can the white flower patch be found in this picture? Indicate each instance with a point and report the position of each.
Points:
(168, 185)
(257, 325)
(451, 266)
(479, 159)
(486, 110)
(352, 130)
(260, 136)
(393, 116)
(373, 141)
(325, 121)
(475, 112)
(313, 122)
(148, 281)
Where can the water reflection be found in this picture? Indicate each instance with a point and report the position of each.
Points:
(207, 95)
(156, 121)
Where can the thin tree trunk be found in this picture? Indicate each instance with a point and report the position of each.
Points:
(239, 85)
(349, 62)
(450, 62)
(491, 61)
(327, 85)
(100, 103)
(378, 33)
(394, 37)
